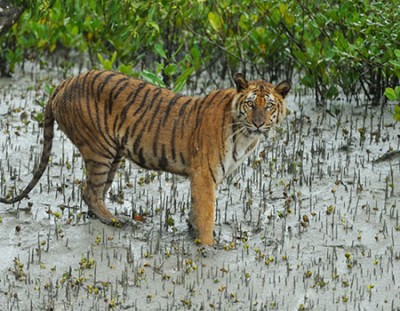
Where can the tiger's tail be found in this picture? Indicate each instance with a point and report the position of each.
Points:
(48, 134)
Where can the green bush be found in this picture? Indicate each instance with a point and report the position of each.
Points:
(393, 94)
(345, 47)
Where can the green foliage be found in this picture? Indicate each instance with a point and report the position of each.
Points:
(393, 94)
(338, 47)
(343, 46)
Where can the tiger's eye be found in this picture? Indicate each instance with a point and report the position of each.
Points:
(250, 103)
(270, 105)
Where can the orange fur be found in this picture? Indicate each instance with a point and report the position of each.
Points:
(109, 116)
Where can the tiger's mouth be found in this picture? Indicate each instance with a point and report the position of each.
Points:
(257, 131)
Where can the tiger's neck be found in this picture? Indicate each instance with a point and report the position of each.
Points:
(240, 147)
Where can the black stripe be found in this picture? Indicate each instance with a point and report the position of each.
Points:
(142, 160)
(112, 97)
(184, 120)
(234, 153)
(233, 129)
(169, 107)
(96, 185)
(173, 139)
(115, 124)
(89, 91)
(136, 145)
(97, 163)
(104, 82)
(131, 101)
(173, 136)
(124, 138)
(104, 134)
(111, 100)
(184, 106)
(163, 163)
(130, 156)
(223, 131)
(99, 173)
(122, 88)
(199, 106)
(182, 158)
(139, 118)
(234, 140)
(156, 139)
(68, 91)
(157, 92)
(212, 173)
(156, 110)
(195, 107)
(221, 162)
(57, 90)
(204, 105)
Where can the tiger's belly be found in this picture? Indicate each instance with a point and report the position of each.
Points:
(146, 158)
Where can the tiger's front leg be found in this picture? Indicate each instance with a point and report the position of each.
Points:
(203, 206)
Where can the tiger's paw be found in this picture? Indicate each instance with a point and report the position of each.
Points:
(115, 221)
(205, 237)
(104, 215)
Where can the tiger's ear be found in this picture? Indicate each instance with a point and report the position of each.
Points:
(283, 88)
(240, 81)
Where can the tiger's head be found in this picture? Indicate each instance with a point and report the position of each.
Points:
(260, 105)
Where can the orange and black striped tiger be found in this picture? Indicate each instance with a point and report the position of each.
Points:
(108, 116)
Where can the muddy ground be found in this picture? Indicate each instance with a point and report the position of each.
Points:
(309, 222)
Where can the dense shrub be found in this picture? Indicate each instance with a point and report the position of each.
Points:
(340, 47)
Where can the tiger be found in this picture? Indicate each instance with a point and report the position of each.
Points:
(109, 116)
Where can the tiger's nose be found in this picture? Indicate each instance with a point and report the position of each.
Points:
(258, 121)
(259, 118)
(258, 124)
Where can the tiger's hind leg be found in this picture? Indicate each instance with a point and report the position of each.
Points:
(96, 181)
(111, 174)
